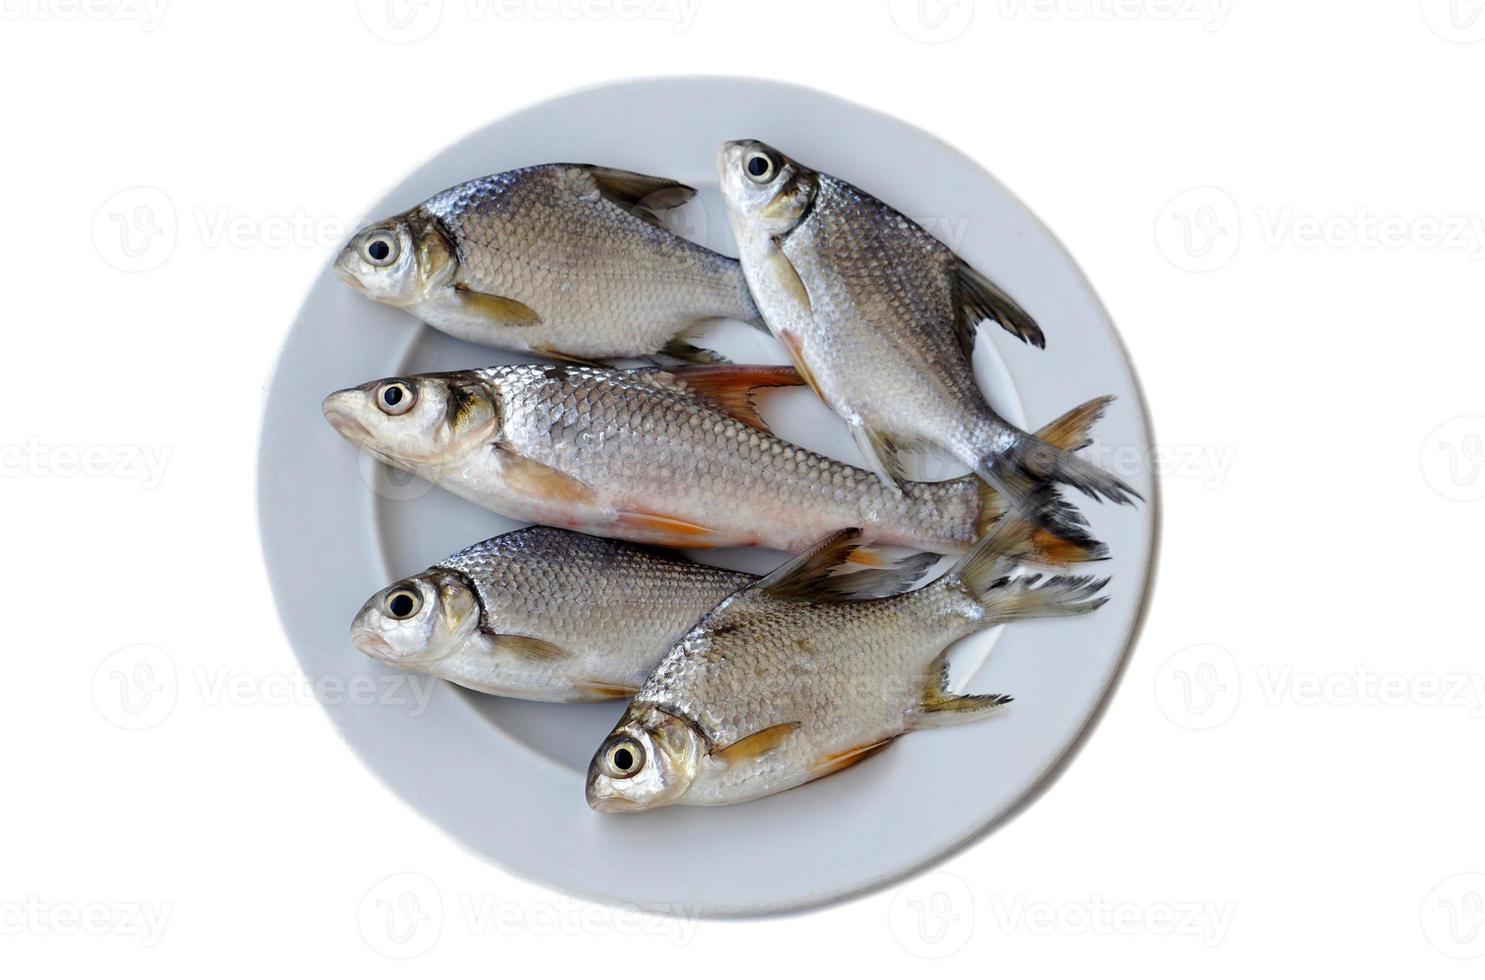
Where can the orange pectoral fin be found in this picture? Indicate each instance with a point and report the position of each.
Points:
(540, 481)
(671, 532)
(795, 347)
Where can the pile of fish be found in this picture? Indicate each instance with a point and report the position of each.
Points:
(738, 686)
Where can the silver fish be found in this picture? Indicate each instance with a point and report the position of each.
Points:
(675, 458)
(780, 685)
(880, 317)
(564, 260)
(550, 615)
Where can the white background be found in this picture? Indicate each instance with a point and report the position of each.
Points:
(1281, 205)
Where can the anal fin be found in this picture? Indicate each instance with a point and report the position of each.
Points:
(836, 761)
(939, 708)
(881, 455)
(670, 531)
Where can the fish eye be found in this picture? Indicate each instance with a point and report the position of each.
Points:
(395, 397)
(404, 604)
(759, 167)
(380, 248)
(623, 758)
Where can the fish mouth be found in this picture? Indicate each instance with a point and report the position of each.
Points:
(612, 804)
(374, 646)
(347, 276)
(343, 422)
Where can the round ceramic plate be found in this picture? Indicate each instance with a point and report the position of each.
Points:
(505, 777)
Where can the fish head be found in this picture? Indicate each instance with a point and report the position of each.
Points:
(767, 193)
(419, 620)
(417, 423)
(649, 760)
(400, 261)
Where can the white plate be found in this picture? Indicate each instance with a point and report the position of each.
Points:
(504, 777)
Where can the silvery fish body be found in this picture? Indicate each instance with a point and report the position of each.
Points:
(551, 615)
(880, 317)
(674, 458)
(779, 685)
(564, 260)
(542, 614)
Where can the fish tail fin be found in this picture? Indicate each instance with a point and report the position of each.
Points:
(1004, 600)
(1041, 527)
(985, 573)
(1073, 430)
(1031, 461)
(1041, 597)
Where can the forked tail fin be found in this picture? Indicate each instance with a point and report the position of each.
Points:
(984, 572)
(1049, 456)
(1047, 529)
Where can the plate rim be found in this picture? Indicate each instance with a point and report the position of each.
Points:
(1036, 788)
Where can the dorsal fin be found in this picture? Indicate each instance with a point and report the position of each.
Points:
(640, 194)
(977, 298)
(804, 575)
(727, 387)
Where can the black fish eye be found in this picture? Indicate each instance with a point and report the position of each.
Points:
(380, 248)
(624, 758)
(759, 167)
(404, 604)
(395, 397)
